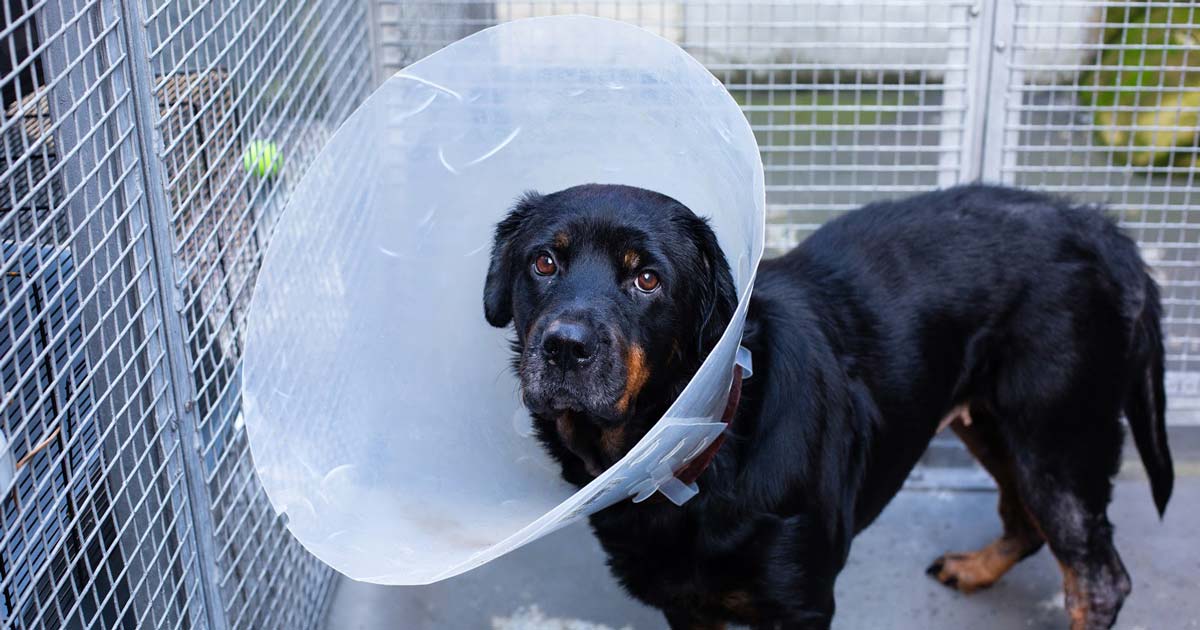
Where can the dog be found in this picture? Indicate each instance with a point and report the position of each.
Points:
(1025, 323)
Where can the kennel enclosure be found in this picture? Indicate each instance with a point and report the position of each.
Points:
(131, 232)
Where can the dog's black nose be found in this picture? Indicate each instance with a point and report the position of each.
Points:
(568, 344)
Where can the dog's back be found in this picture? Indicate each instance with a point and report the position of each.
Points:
(985, 242)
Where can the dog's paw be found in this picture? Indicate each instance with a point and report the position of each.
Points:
(966, 572)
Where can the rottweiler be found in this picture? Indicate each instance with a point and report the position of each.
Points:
(1024, 322)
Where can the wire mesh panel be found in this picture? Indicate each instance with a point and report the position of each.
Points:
(1103, 103)
(850, 101)
(248, 91)
(95, 527)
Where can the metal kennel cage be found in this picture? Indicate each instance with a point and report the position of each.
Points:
(130, 231)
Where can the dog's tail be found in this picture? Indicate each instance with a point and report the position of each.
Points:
(1146, 401)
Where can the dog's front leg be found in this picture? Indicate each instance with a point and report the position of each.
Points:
(811, 610)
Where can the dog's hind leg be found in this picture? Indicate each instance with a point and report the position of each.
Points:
(1067, 494)
(971, 571)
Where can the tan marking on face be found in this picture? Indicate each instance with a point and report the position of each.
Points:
(961, 413)
(562, 240)
(580, 441)
(566, 428)
(636, 375)
(631, 260)
(612, 440)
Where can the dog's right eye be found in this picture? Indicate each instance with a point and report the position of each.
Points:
(544, 264)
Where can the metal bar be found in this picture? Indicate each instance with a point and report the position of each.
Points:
(1000, 75)
(375, 41)
(146, 108)
(977, 64)
(955, 164)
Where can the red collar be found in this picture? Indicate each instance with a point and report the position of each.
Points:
(692, 470)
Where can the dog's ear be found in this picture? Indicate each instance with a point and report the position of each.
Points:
(717, 296)
(497, 290)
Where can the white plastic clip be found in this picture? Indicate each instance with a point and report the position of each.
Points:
(662, 479)
(746, 360)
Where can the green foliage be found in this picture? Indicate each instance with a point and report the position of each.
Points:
(1145, 90)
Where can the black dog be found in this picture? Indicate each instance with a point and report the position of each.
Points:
(1024, 322)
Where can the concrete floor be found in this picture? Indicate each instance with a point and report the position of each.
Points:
(561, 583)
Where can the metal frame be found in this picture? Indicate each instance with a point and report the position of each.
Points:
(991, 153)
(181, 386)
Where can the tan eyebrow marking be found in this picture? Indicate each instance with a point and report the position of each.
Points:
(562, 240)
(632, 260)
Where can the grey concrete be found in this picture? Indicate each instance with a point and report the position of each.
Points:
(560, 583)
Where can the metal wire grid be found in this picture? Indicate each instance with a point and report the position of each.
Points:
(94, 527)
(129, 497)
(1118, 125)
(246, 71)
(854, 101)
(873, 106)
(835, 131)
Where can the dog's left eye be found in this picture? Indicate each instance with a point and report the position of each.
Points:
(647, 281)
(544, 264)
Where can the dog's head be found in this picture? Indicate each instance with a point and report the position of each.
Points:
(616, 295)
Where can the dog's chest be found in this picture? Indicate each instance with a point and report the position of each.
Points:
(709, 587)
(681, 564)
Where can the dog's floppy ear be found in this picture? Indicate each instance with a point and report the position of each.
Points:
(717, 295)
(497, 290)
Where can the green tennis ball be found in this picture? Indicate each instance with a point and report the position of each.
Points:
(262, 159)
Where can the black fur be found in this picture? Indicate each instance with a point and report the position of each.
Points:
(1033, 315)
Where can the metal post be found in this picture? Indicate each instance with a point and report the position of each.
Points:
(182, 386)
(993, 160)
(374, 37)
(979, 61)
(960, 95)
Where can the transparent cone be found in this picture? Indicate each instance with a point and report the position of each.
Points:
(383, 419)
